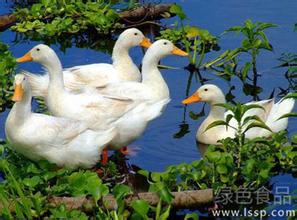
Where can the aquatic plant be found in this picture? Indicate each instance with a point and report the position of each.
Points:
(196, 41)
(27, 186)
(219, 166)
(254, 41)
(55, 18)
(7, 68)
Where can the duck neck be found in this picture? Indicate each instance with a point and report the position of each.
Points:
(123, 63)
(56, 82)
(152, 77)
(22, 109)
(217, 112)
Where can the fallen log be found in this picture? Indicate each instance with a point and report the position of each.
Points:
(145, 13)
(6, 21)
(185, 199)
(136, 15)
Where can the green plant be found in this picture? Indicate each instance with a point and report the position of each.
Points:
(244, 122)
(7, 68)
(55, 18)
(193, 39)
(219, 167)
(254, 41)
(29, 185)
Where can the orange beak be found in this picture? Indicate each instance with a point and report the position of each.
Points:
(18, 93)
(179, 52)
(192, 99)
(26, 58)
(145, 43)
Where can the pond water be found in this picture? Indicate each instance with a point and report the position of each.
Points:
(158, 146)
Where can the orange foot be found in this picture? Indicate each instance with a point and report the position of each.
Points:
(125, 151)
(129, 151)
(104, 157)
(100, 172)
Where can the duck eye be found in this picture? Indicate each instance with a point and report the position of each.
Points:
(38, 49)
(165, 43)
(135, 34)
(205, 90)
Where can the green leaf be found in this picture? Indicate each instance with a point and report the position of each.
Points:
(177, 9)
(213, 156)
(120, 191)
(291, 95)
(252, 106)
(144, 173)
(224, 178)
(257, 124)
(162, 190)
(192, 32)
(32, 182)
(165, 194)
(165, 215)
(141, 207)
(222, 169)
(245, 70)
(249, 24)
(262, 26)
(215, 124)
(192, 216)
(291, 114)
(249, 167)
(228, 119)
(257, 43)
(294, 139)
(234, 29)
(251, 118)
(264, 173)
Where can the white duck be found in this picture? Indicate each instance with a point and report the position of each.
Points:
(62, 141)
(99, 74)
(213, 95)
(152, 92)
(98, 111)
(90, 107)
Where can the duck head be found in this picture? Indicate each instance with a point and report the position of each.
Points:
(41, 53)
(162, 48)
(133, 37)
(20, 86)
(207, 93)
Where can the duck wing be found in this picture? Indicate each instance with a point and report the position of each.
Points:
(262, 113)
(128, 90)
(69, 142)
(92, 75)
(279, 109)
(75, 78)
